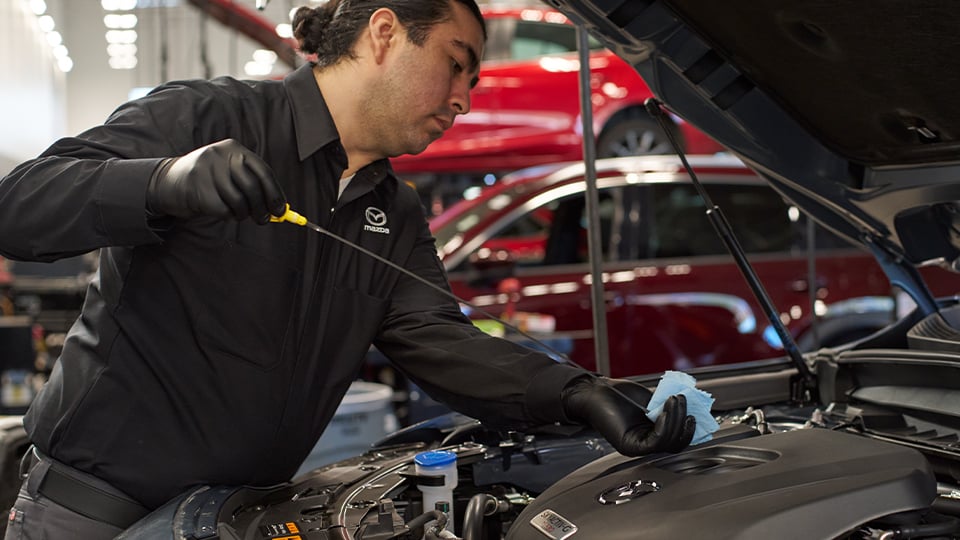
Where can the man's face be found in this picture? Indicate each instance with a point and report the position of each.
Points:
(425, 87)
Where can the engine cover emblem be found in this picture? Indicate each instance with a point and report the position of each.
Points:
(628, 492)
(553, 525)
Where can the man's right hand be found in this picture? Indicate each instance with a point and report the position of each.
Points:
(223, 180)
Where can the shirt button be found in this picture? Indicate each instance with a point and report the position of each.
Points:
(332, 209)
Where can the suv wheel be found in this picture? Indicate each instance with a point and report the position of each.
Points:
(633, 137)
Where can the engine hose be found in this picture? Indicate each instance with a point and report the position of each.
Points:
(946, 505)
(947, 526)
(479, 505)
(423, 519)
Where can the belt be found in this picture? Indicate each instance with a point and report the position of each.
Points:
(86, 499)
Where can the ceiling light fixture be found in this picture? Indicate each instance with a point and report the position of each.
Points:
(121, 35)
(47, 25)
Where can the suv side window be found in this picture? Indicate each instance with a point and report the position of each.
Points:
(564, 229)
(553, 234)
(650, 221)
(680, 227)
(567, 241)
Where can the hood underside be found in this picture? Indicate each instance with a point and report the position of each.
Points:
(848, 108)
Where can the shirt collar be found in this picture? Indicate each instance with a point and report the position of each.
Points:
(367, 179)
(311, 118)
(313, 124)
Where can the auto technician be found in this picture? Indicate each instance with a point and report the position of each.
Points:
(214, 347)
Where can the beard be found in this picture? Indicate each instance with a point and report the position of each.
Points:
(389, 117)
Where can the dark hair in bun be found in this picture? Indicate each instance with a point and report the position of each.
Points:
(329, 31)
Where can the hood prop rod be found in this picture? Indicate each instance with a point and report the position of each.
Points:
(802, 388)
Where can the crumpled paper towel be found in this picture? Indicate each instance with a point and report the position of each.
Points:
(698, 403)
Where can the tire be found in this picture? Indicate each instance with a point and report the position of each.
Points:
(634, 136)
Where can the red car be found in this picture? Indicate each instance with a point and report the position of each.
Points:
(674, 298)
(526, 108)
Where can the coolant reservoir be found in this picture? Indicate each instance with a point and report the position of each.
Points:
(437, 463)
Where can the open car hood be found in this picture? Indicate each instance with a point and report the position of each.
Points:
(847, 108)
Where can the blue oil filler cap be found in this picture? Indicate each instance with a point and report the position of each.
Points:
(435, 458)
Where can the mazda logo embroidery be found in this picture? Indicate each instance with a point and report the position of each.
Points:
(376, 216)
(376, 219)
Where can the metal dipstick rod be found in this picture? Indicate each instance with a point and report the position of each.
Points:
(296, 218)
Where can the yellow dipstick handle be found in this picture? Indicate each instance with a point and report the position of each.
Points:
(291, 216)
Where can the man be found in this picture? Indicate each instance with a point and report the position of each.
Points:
(214, 347)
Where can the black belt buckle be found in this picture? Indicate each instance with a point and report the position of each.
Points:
(28, 461)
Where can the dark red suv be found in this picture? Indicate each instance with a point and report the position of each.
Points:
(674, 298)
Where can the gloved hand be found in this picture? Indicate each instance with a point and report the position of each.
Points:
(593, 401)
(223, 179)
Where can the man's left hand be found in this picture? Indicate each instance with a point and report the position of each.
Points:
(610, 407)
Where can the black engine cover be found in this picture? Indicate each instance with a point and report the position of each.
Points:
(811, 483)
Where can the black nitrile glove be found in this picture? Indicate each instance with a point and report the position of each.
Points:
(222, 180)
(592, 401)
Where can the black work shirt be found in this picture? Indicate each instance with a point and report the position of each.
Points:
(215, 352)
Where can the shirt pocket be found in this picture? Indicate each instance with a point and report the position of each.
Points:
(247, 307)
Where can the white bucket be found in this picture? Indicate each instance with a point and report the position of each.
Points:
(365, 415)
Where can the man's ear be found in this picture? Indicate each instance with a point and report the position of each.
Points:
(384, 30)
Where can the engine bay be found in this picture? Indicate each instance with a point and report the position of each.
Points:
(840, 471)
(872, 451)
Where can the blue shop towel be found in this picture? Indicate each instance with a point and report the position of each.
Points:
(698, 402)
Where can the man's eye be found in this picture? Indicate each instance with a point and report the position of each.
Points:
(457, 68)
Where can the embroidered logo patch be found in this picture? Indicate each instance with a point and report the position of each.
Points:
(376, 220)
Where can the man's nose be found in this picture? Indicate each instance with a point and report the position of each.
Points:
(460, 98)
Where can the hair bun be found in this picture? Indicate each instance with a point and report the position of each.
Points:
(309, 25)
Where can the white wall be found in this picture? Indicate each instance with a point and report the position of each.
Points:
(94, 90)
(39, 103)
(32, 96)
